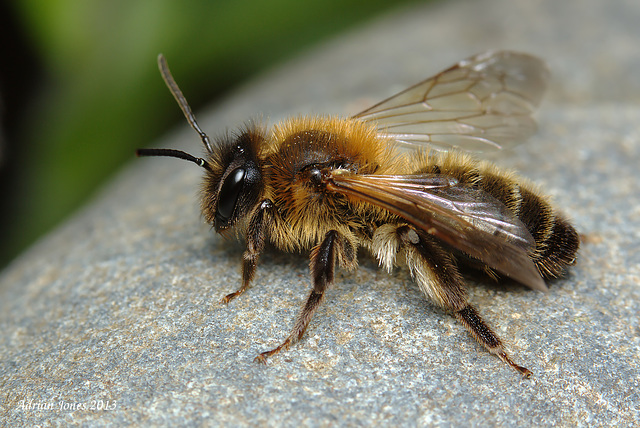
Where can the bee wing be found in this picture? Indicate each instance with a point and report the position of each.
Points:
(464, 217)
(482, 103)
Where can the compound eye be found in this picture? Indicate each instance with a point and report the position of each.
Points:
(229, 192)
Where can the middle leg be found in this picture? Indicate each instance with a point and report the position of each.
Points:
(323, 261)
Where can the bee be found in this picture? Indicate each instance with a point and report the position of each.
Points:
(394, 179)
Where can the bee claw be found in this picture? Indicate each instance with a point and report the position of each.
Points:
(229, 297)
(226, 299)
(526, 373)
(261, 358)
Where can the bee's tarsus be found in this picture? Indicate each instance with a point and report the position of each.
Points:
(262, 358)
(229, 297)
(526, 373)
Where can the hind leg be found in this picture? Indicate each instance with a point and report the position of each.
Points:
(437, 275)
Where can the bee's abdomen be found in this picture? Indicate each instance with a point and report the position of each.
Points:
(556, 240)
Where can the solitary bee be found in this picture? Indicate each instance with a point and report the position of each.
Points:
(393, 179)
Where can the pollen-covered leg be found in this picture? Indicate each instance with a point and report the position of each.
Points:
(437, 275)
(255, 244)
(323, 260)
(385, 245)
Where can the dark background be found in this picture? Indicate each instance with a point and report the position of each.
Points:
(80, 89)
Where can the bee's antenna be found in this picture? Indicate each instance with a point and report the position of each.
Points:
(182, 102)
(172, 153)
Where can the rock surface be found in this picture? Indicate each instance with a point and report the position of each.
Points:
(115, 318)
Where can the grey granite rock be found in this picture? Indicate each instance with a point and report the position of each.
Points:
(118, 308)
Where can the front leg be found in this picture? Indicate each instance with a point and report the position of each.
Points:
(256, 234)
(323, 261)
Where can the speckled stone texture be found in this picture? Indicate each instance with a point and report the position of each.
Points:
(118, 310)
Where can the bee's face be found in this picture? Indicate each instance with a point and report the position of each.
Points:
(233, 185)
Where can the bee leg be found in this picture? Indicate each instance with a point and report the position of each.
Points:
(436, 273)
(483, 334)
(323, 260)
(255, 236)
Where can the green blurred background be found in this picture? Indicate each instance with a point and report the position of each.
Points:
(80, 88)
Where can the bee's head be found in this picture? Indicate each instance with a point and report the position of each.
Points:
(233, 182)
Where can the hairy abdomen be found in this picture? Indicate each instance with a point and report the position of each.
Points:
(556, 240)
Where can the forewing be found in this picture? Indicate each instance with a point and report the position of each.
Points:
(482, 103)
(464, 217)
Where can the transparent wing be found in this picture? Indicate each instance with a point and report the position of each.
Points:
(464, 217)
(482, 103)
